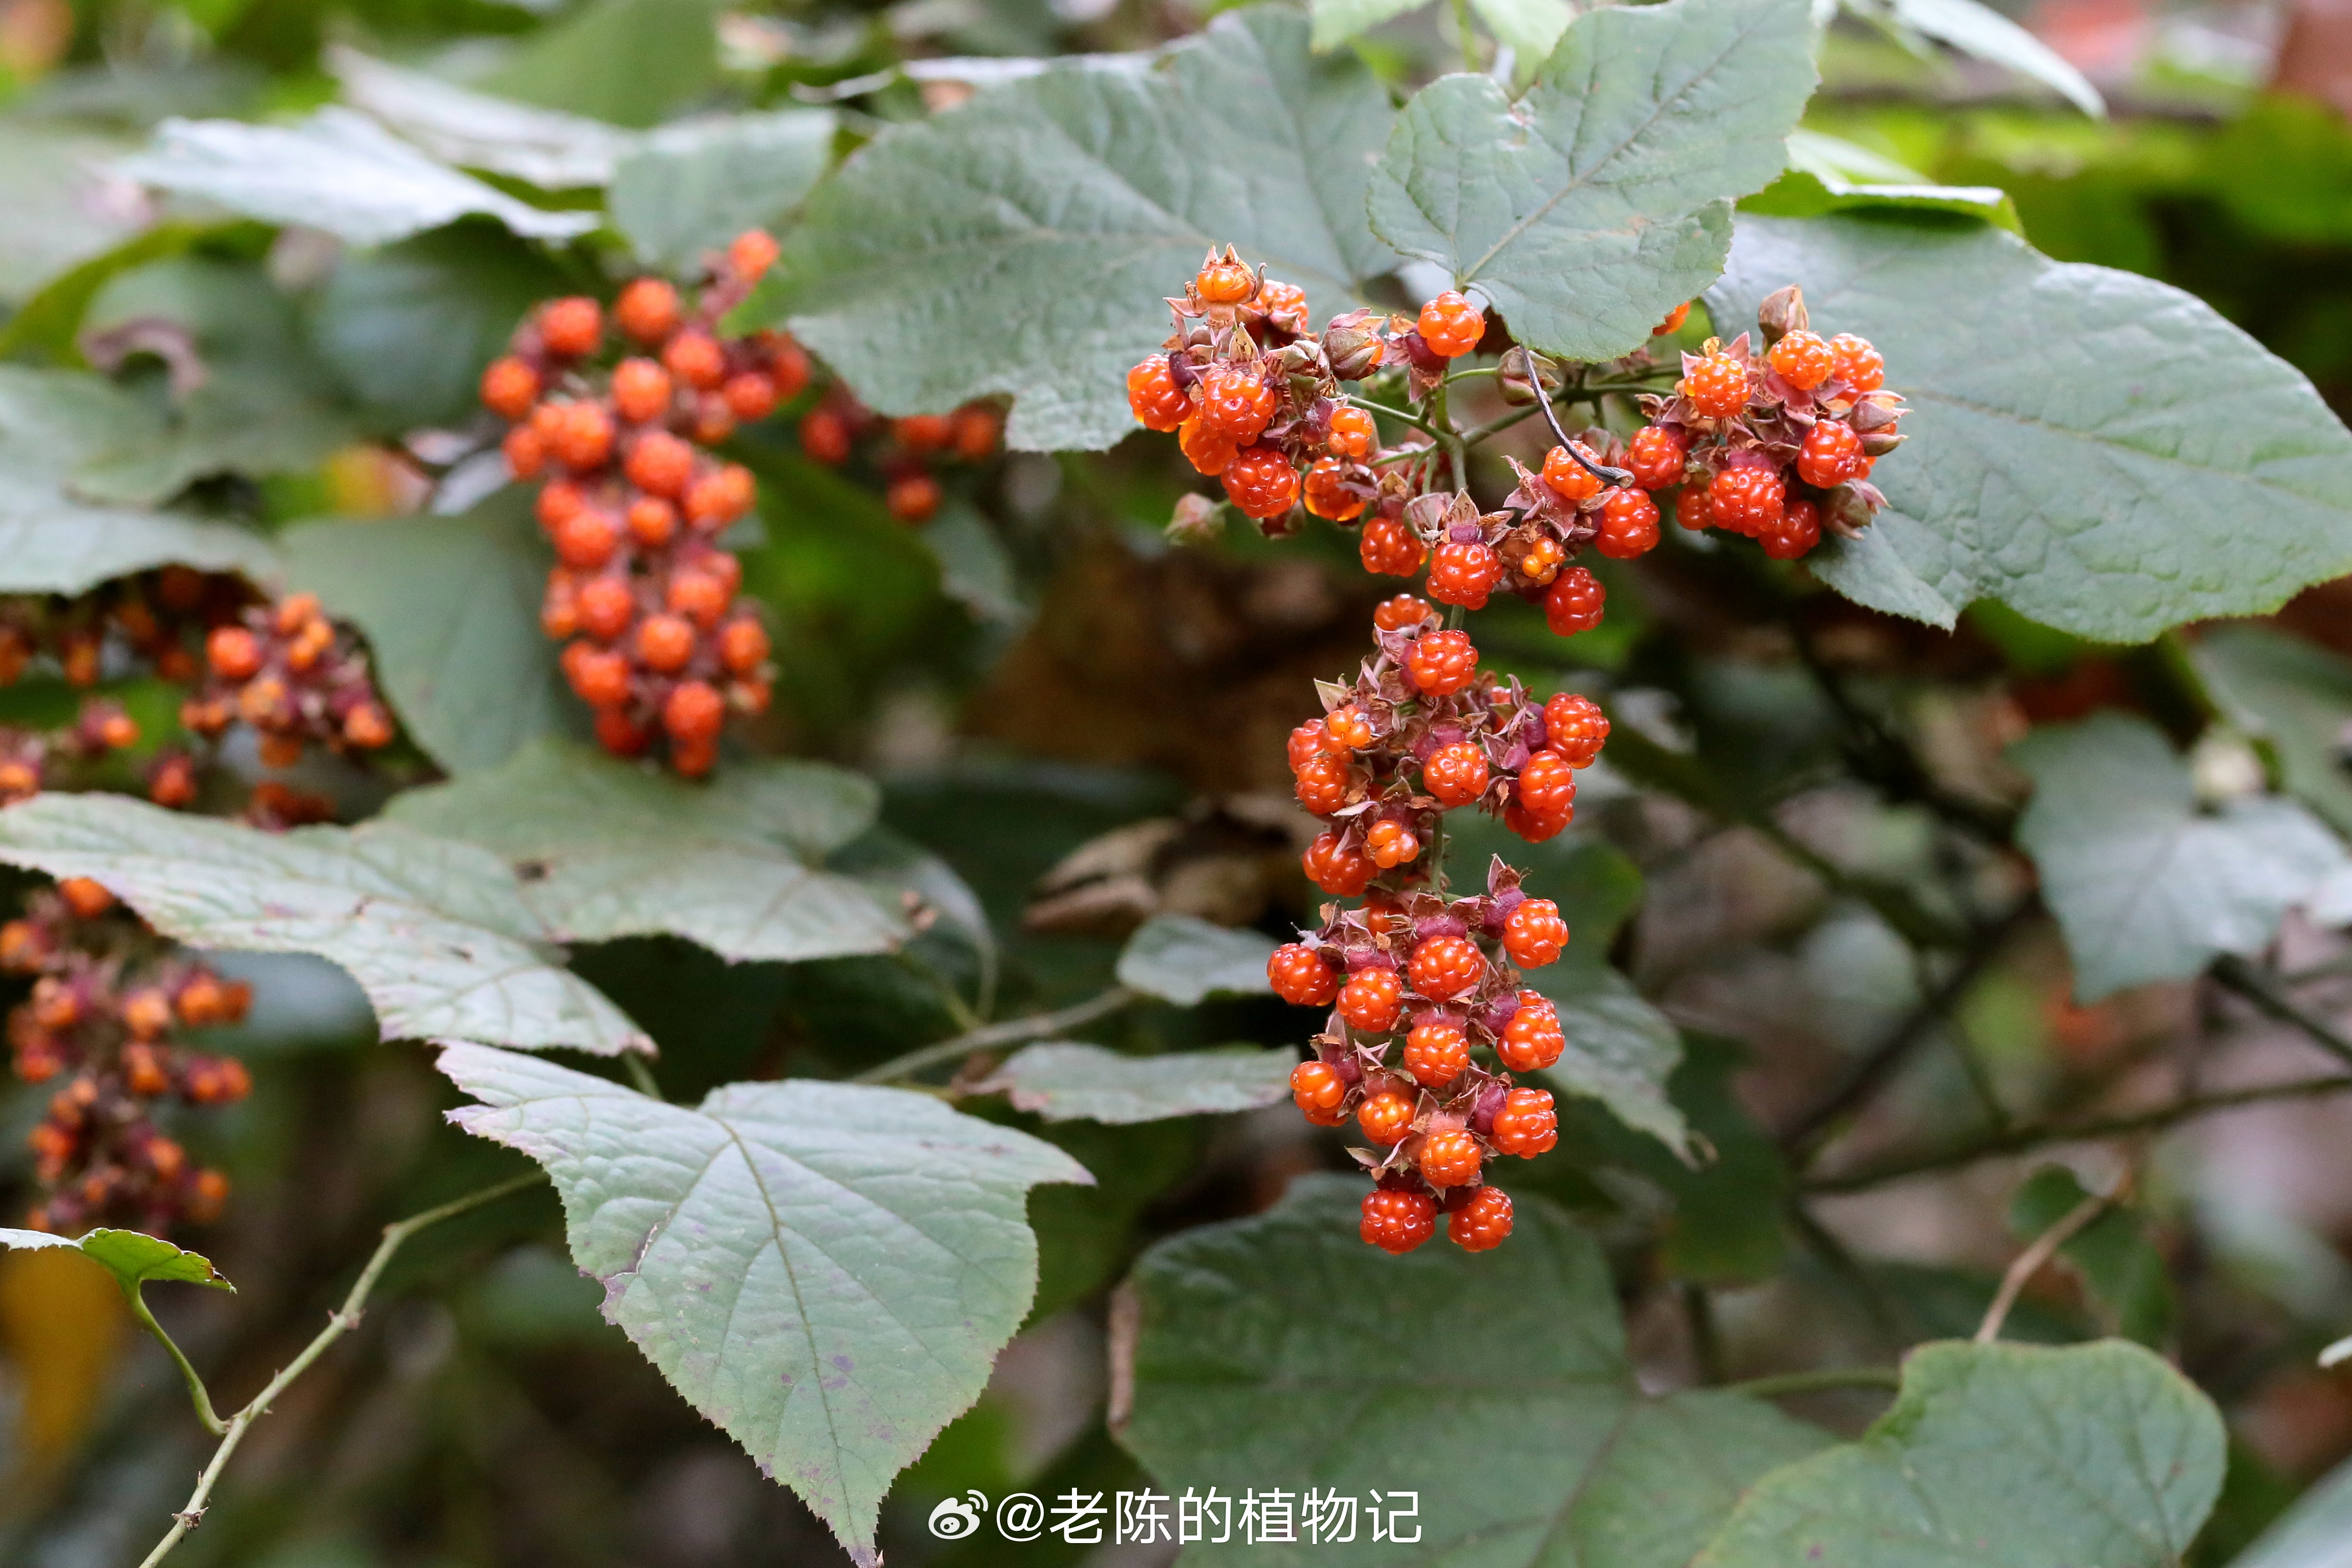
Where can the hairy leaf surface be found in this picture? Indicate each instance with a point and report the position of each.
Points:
(691, 187)
(1185, 960)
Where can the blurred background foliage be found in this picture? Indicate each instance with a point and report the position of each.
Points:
(1081, 684)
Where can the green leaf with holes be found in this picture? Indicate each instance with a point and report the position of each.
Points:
(826, 1272)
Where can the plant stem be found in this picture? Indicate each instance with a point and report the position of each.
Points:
(339, 1323)
(2265, 994)
(198, 1395)
(1469, 39)
(1401, 415)
(1773, 1387)
(2029, 1262)
(1035, 1026)
(641, 1074)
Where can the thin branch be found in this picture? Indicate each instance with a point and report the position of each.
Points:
(1036, 1026)
(1773, 1387)
(641, 1074)
(339, 1323)
(2265, 994)
(2029, 1262)
(1403, 416)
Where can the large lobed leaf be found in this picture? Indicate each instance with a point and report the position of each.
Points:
(1281, 1352)
(1023, 243)
(1999, 1456)
(434, 931)
(2076, 433)
(1601, 199)
(609, 851)
(2145, 886)
(547, 147)
(824, 1270)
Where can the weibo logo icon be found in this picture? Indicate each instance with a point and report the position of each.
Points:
(955, 1518)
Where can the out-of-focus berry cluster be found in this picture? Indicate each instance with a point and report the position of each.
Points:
(295, 677)
(108, 1000)
(902, 452)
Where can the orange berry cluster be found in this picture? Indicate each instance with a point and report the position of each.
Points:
(1778, 447)
(108, 999)
(643, 597)
(295, 677)
(33, 760)
(1424, 992)
(901, 450)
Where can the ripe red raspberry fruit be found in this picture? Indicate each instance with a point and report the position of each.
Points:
(913, 498)
(788, 365)
(693, 712)
(1656, 455)
(1396, 1222)
(1463, 571)
(1546, 782)
(599, 675)
(1261, 482)
(1442, 663)
(606, 608)
(1435, 1051)
(1484, 1223)
(1204, 448)
(1859, 365)
(1385, 1117)
(1342, 873)
(233, 652)
(1830, 456)
(1402, 610)
(1573, 604)
(1316, 1087)
(572, 326)
(1532, 1040)
(1799, 530)
(1804, 360)
(647, 309)
(1370, 1000)
(1158, 404)
(1534, 933)
(1225, 281)
(752, 252)
(1309, 741)
(1323, 784)
(1301, 977)
(1285, 305)
(750, 396)
(1328, 495)
(1391, 845)
(1716, 387)
(1526, 1125)
(1746, 500)
(1693, 509)
(695, 358)
(1451, 325)
(1235, 402)
(1566, 477)
(1456, 774)
(1576, 728)
(1389, 549)
(641, 390)
(1349, 728)
(824, 437)
(509, 388)
(1534, 827)
(1352, 434)
(1451, 1158)
(1444, 967)
(1629, 525)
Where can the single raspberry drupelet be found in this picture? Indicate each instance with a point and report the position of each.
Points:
(1526, 1125)
(1804, 360)
(1224, 280)
(1402, 610)
(1353, 434)
(1533, 933)
(1389, 549)
(1451, 1158)
(1435, 1051)
(1656, 456)
(1236, 402)
(1574, 601)
(1532, 1040)
(1859, 365)
(1397, 1222)
(1261, 482)
(1386, 1118)
(1444, 967)
(1716, 387)
(1451, 325)
(1371, 1000)
(1391, 845)
(1484, 1223)
(1158, 404)
(1318, 1089)
(1566, 477)
(1830, 456)
(1442, 663)
(1799, 530)
(1343, 873)
(1463, 571)
(1629, 525)
(1456, 774)
(1576, 727)
(1324, 784)
(1746, 500)
(1327, 494)
(1546, 786)
(1301, 977)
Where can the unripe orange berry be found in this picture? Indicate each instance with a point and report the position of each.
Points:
(1444, 967)
(742, 645)
(585, 543)
(914, 499)
(1402, 610)
(526, 453)
(977, 432)
(788, 367)
(824, 437)
(693, 712)
(572, 326)
(750, 396)
(559, 608)
(1349, 728)
(1451, 325)
(1371, 999)
(720, 497)
(1208, 451)
(1316, 1087)
(652, 522)
(1451, 1158)
(1533, 933)
(1153, 397)
(606, 607)
(1716, 387)
(713, 420)
(584, 438)
(559, 502)
(1435, 1051)
(1327, 494)
(752, 252)
(599, 675)
(699, 595)
(1456, 774)
(1386, 1118)
(1442, 663)
(233, 652)
(1224, 282)
(1859, 365)
(368, 726)
(647, 309)
(1804, 360)
(1391, 845)
(641, 390)
(666, 643)
(921, 432)
(1341, 872)
(695, 358)
(510, 387)
(1484, 1223)
(1532, 1040)
(660, 463)
(1301, 977)
(1566, 477)
(87, 896)
(1352, 434)
(1526, 1125)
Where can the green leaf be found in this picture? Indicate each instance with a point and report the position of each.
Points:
(1827, 175)
(1062, 208)
(51, 541)
(54, 193)
(435, 932)
(690, 188)
(608, 850)
(2071, 463)
(1978, 29)
(1185, 960)
(43, 328)
(1600, 200)
(824, 1270)
(2144, 885)
(2114, 1254)
(336, 171)
(1065, 1082)
(2312, 1533)
(1529, 28)
(1280, 1350)
(132, 1256)
(975, 570)
(264, 405)
(2294, 694)
(1337, 21)
(476, 131)
(1621, 1049)
(2019, 1455)
(450, 607)
(631, 62)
